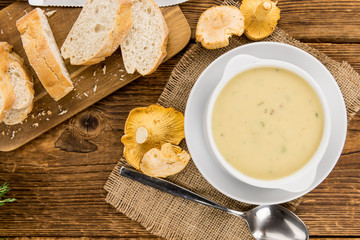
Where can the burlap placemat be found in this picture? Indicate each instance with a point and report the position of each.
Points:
(175, 218)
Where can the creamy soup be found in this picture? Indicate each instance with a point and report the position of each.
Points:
(267, 122)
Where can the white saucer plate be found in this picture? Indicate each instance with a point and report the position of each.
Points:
(194, 119)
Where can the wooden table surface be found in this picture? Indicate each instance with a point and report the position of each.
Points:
(58, 178)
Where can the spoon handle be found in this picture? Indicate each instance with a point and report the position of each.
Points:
(173, 189)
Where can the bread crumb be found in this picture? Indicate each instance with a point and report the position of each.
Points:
(86, 95)
(63, 112)
(95, 88)
(47, 119)
(32, 116)
(94, 74)
(25, 12)
(35, 124)
(2, 32)
(121, 70)
(12, 135)
(104, 69)
(49, 112)
(82, 77)
(3, 133)
(50, 13)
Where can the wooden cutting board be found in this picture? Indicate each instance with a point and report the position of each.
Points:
(91, 83)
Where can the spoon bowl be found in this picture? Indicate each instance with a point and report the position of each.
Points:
(275, 222)
(266, 222)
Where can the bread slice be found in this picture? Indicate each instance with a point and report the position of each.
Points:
(16, 116)
(7, 94)
(24, 94)
(21, 85)
(43, 53)
(21, 82)
(98, 31)
(144, 48)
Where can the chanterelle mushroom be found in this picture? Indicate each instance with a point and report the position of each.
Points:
(150, 127)
(217, 24)
(165, 162)
(261, 18)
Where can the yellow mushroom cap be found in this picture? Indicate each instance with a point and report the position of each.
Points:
(217, 24)
(261, 17)
(167, 161)
(150, 127)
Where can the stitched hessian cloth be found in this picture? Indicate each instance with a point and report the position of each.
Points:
(175, 218)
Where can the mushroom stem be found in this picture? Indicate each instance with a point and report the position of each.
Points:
(141, 135)
(263, 9)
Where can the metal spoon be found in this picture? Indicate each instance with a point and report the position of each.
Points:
(267, 222)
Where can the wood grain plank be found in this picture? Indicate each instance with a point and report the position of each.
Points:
(60, 191)
(307, 20)
(333, 207)
(5, 3)
(91, 83)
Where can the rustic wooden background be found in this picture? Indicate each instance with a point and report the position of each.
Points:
(58, 178)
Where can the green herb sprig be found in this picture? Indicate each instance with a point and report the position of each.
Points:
(4, 189)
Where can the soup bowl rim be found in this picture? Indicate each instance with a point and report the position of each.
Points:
(300, 179)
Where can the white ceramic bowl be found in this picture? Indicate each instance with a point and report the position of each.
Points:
(301, 179)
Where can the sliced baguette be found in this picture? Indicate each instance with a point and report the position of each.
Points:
(7, 94)
(98, 31)
(43, 53)
(24, 94)
(144, 48)
(16, 116)
(21, 83)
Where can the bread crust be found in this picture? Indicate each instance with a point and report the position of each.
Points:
(119, 30)
(163, 46)
(6, 88)
(40, 56)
